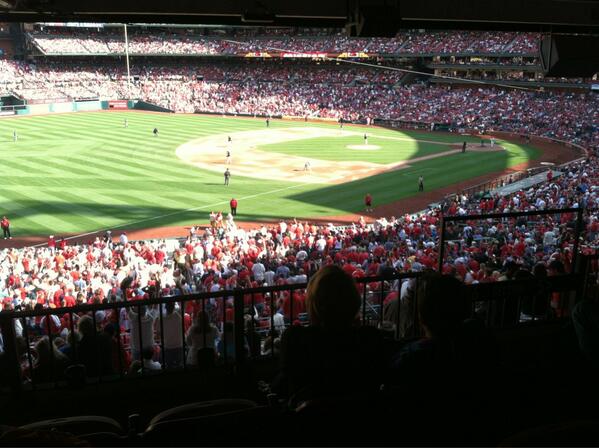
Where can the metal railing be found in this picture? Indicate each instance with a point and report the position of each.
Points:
(502, 217)
(246, 337)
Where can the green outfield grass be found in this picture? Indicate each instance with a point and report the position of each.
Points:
(76, 173)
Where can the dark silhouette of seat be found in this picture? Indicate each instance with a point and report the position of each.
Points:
(79, 426)
(227, 421)
(201, 409)
(571, 433)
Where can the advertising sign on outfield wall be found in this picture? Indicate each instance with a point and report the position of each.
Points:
(360, 55)
(257, 54)
(304, 55)
(117, 104)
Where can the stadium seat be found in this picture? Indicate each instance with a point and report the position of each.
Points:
(80, 425)
(571, 433)
(201, 409)
(214, 422)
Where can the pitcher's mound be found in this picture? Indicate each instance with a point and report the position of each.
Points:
(364, 147)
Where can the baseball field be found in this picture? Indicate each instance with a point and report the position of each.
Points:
(70, 174)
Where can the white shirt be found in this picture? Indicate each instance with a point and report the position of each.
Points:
(173, 333)
(321, 244)
(197, 341)
(258, 270)
(269, 277)
(147, 328)
(151, 365)
(279, 322)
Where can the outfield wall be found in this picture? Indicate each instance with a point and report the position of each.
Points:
(51, 108)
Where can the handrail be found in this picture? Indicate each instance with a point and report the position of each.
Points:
(499, 302)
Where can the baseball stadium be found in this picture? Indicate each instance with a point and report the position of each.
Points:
(298, 225)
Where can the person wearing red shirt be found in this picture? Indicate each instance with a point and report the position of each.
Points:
(368, 202)
(51, 243)
(5, 224)
(233, 205)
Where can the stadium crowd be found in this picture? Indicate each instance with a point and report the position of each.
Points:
(224, 257)
(309, 90)
(102, 41)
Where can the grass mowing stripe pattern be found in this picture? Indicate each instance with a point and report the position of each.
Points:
(85, 171)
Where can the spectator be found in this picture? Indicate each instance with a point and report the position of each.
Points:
(94, 349)
(141, 322)
(333, 356)
(201, 336)
(49, 363)
(585, 317)
(172, 337)
(148, 363)
(226, 344)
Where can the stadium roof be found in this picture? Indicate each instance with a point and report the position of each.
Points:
(368, 17)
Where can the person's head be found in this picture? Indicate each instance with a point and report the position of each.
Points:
(147, 353)
(134, 368)
(540, 270)
(440, 304)
(86, 326)
(43, 349)
(170, 307)
(201, 322)
(556, 267)
(332, 299)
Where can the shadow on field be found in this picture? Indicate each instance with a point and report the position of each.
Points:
(391, 186)
(28, 214)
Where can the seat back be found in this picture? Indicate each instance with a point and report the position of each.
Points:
(202, 409)
(237, 427)
(84, 424)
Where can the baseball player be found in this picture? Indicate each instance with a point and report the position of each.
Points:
(365, 139)
(368, 202)
(307, 167)
(228, 158)
(15, 136)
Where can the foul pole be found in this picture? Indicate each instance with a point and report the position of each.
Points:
(127, 62)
